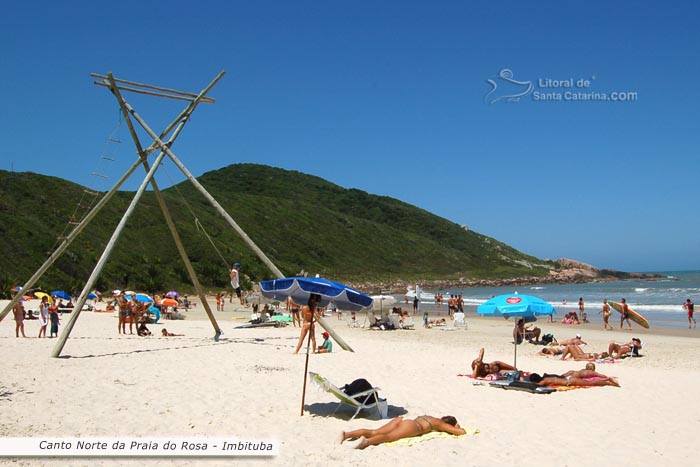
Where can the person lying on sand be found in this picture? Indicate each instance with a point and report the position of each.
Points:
(170, 334)
(574, 378)
(623, 350)
(552, 350)
(481, 369)
(575, 341)
(578, 354)
(398, 428)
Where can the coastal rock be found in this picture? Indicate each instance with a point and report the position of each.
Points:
(566, 271)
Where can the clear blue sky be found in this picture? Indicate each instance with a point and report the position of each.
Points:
(391, 98)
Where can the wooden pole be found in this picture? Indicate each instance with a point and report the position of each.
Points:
(164, 147)
(156, 88)
(69, 239)
(183, 118)
(61, 342)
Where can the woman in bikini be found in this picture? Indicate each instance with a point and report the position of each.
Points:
(123, 306)
(578, 354)
(622, 350)
(308, 312)
(399, 428)
(481, 369)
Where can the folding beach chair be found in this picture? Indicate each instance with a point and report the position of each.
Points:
(363, 400)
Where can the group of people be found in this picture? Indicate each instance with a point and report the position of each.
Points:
(48, 314)
(572, 348)
(585, 377)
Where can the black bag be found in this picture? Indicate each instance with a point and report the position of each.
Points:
(358, 386)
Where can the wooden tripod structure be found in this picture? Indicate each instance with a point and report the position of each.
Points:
(164, 147)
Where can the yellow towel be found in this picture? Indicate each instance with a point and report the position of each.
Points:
(429, 436)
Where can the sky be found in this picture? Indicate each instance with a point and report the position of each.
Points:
(465, 110)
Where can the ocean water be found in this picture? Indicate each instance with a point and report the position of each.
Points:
(659, 300)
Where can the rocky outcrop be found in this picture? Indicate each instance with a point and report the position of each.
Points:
(567, 271)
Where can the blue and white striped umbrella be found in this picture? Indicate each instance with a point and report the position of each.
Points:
(300, 288)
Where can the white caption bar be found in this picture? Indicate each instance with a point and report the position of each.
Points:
(135, 447)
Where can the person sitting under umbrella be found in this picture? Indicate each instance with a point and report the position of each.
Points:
(521, 332)
(327, 345)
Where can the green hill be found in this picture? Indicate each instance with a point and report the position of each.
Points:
(300, 221)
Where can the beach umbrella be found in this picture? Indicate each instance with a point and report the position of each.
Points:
(141, 297)
(525, 306)
(379, 301)
(116, 292)
(301, 288)
(60, 294)
(41, 295)
(173, 293)
(17, 288)
(168, 302)
(92, 296)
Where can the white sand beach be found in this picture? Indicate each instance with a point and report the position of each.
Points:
(248, 385)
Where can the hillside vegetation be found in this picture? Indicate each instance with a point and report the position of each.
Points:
(302, 222)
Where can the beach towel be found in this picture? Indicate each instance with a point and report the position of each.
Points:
(430, 436)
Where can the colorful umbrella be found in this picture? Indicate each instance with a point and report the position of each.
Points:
(141, 297)
(521, 306)
(300, 288)
(525, 306)
(42, 295)
(60, 294)
(173, 293)
(168, 302)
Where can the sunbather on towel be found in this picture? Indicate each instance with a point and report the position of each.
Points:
(622, 350)
(574, 379)
(575, 341)
(399, 428)
(578, 354)
(481, 369)
(166, 333)
(552, 350)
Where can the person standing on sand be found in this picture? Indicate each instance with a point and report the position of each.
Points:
(625, 314)
(606, 314)
(18, 311)
(53, 317)
(236, 281)
(690, 308)
(581, 313)
(309, 312)
(43, 315)
(123, 306)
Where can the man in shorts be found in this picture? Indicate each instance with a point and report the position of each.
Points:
(235, 281)
(690, 308)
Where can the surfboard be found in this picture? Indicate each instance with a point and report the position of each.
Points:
(634, 316)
